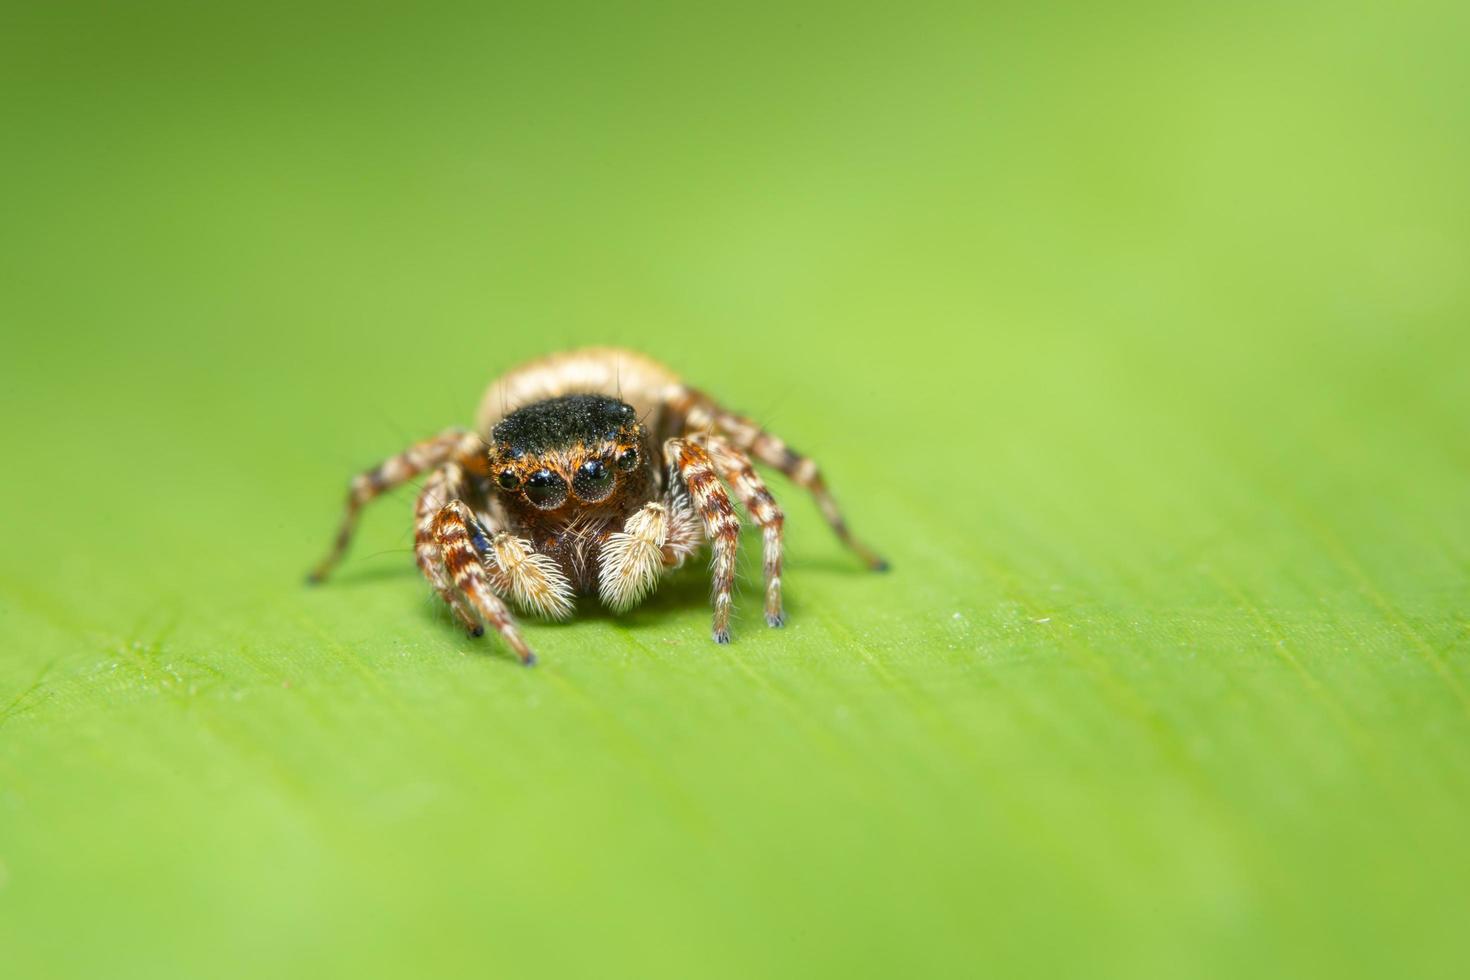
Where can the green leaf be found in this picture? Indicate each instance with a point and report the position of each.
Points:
(1135, 338)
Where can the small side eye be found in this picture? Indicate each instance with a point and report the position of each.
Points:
(627, 459)
(508, 480)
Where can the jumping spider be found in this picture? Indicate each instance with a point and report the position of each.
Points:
(590, 471)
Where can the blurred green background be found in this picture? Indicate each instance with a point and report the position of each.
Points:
(1136, 336)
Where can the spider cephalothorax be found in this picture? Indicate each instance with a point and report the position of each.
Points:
(565, 490)
(569, 471)
(575, 449)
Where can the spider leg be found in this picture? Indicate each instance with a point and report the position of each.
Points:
(702, 413)
(736, 469)
(443, 485)
(696, 471)
(394, 472)
(454, 530)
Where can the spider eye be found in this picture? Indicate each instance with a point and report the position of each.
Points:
(627, 459)
(508, 480)
(593, 481)
(546, 490)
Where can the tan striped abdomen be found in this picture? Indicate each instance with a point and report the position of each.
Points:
(622, 374)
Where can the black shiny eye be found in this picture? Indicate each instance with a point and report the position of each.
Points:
(627, 459)
(508, 480)
(593, 481)
(546, 490)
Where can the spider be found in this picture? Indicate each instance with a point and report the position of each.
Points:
(592, 471)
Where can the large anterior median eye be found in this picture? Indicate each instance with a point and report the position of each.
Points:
(546, 490)
(593, 481)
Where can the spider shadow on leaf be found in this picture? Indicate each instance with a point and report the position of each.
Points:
(679, 591)
(836, 564)
(363, 573)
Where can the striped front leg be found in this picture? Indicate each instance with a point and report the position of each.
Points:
(454, 529)
(692, 465)
(443, 485)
